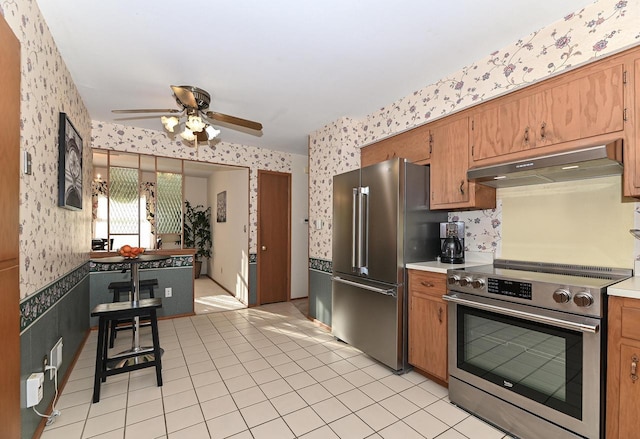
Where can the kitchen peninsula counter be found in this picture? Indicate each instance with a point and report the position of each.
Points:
(175, 279)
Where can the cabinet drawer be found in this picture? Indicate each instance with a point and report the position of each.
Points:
(630, 323)
(425, 282)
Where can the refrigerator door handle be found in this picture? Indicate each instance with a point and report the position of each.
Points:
(386, 292)
(363, 230)
(354, 232)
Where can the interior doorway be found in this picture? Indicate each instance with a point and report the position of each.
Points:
(274, 237)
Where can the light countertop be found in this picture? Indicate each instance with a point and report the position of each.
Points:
(471, 259)
(627, 288)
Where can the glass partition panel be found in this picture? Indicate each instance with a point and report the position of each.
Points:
(123, 201)
(169, 203)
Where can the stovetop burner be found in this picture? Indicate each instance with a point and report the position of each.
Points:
(576, 289)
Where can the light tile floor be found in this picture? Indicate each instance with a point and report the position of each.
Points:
(258, 373)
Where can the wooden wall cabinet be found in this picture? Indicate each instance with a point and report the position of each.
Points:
(623, 369)
(586, 103)
(412, 145)
(428, 323)
(632, 130)
(450, 188)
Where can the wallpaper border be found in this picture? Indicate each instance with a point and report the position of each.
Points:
(320, 265)
(173, 262)
(35, 305)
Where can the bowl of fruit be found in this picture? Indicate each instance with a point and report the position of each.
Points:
(128, 252)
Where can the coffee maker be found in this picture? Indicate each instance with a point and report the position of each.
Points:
(452, 242)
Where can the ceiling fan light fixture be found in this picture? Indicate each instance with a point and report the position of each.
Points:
(195, 123)
(188, 135)
(211, 132)
(169, 122)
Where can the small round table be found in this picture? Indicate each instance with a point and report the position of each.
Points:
(135, 295)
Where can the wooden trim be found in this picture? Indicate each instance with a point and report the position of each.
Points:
(319, 323)
(431, 377)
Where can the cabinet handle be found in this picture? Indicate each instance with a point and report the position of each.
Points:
(462, 187)
(427, 284)
(634, 368)
(542, 130)
(526, 135)
(440, 314)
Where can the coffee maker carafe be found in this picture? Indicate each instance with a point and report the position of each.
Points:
(452, 242)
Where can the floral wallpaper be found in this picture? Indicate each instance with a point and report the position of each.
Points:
(332, 151)
(602, 28)
(53, 241)
(144, 141)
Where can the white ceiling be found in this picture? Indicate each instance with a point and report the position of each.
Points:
(293, 65)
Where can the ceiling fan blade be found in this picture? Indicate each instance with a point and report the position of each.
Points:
(185, 96)
(148, 110)
(234, 120)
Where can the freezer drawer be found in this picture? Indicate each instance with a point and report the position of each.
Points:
(370, 318)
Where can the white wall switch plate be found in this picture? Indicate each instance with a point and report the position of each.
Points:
(168, 292)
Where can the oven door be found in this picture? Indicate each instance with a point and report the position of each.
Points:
(544, 362)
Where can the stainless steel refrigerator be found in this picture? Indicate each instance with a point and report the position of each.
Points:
(381, 221)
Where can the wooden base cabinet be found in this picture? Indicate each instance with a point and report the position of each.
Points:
(623, 369)
(428, 323)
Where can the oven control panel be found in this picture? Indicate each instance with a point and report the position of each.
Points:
(568, 298)
(511, 288)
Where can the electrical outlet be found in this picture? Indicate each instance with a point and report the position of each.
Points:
(168, 292)
(55, 357)
(45, 363)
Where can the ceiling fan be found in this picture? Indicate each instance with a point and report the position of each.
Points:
(197, 126)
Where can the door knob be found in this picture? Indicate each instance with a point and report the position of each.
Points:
(264, 247)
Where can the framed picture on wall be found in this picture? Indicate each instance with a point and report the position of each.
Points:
(221, 209)
(69, 165)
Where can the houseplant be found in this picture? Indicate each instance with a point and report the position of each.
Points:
(197, 232)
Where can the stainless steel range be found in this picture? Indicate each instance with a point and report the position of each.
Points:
(527, 344)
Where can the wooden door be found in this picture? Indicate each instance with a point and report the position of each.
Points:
(450, 162)
(9, 223)
(274, 237)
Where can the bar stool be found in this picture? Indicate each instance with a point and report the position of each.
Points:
(132, 359)
(119, 288)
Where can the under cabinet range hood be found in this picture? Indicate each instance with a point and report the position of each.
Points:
(589, 162)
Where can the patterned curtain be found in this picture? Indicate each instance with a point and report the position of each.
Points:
(98, 188)
(148, 189)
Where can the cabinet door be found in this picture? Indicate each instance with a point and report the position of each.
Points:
(555, 115)
(502, 129)
(428, 335)
(412, 145)
(602, 102)
(581, 108)
(629, 414)
(450, 162)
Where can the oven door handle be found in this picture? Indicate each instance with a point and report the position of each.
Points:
(582, 327)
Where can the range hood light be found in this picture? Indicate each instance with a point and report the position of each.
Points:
(591, 161)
